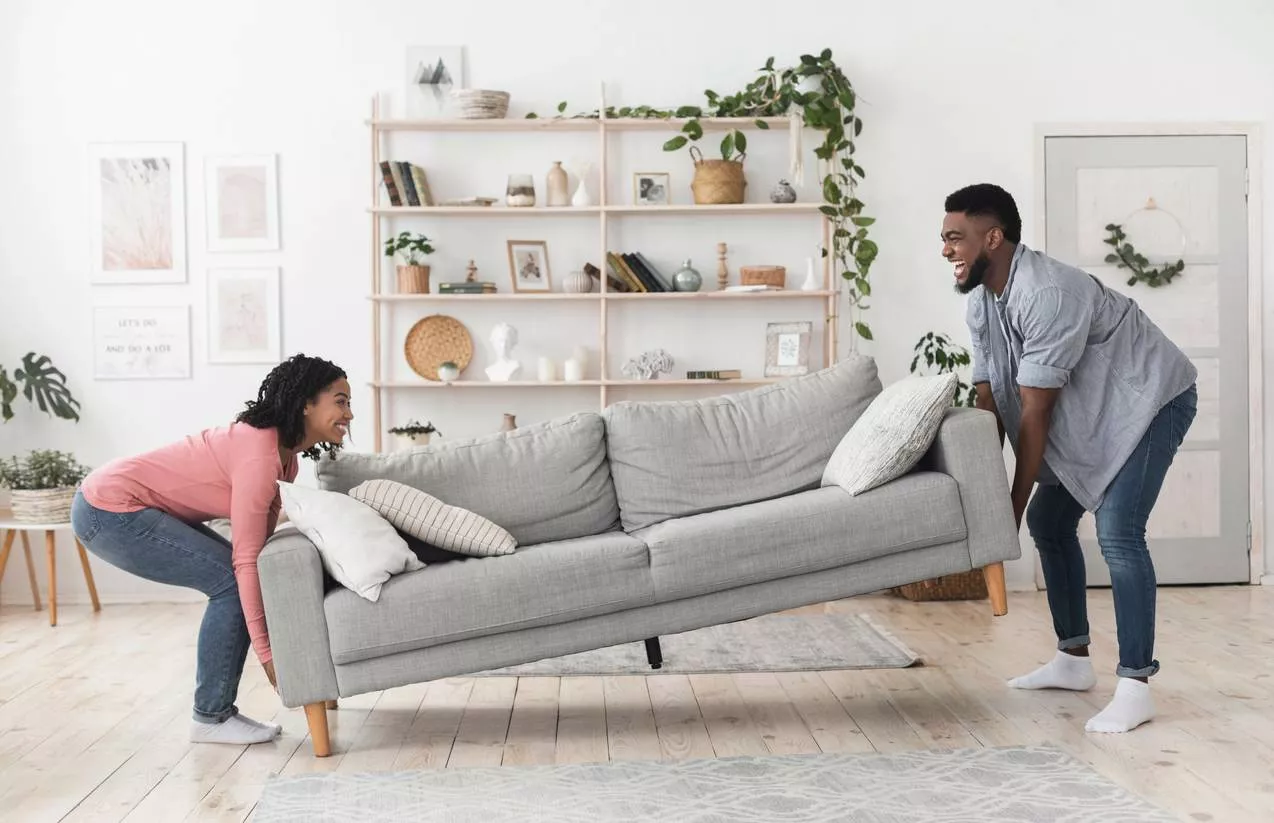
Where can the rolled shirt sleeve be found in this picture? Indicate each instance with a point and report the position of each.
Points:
(1054, 326)
(975, 319)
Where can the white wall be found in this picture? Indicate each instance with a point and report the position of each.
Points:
(951, 95)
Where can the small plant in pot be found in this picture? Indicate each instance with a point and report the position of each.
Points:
(414, 433)
(42, 485)
(411, 249)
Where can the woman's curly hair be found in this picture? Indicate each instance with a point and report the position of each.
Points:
(281, 400)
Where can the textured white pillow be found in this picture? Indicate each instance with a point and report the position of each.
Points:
(359, 548)
(424, 516)
(889, 439)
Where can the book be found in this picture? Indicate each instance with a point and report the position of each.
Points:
(391, 187)
(714, 374)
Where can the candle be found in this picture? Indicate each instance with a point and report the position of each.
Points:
(548, 370)
(580, 354)
(574, 370)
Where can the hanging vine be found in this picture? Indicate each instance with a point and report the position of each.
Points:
(818, 89)
(1126, 257)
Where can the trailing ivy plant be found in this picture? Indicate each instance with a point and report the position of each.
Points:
(940, 351)
(1126, 257)
(818, 89)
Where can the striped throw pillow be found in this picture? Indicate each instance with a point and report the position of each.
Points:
(426, 517)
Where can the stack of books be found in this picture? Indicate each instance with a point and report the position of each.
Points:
(467, 287)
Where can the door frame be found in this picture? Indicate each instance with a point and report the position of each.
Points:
(1257, 573)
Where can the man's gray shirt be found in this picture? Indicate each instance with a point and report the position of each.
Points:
(1057, 327)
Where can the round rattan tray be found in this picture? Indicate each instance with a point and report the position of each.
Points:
(435, 340)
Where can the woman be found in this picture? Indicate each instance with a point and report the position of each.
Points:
(145, 515)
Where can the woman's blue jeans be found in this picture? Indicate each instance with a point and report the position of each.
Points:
(157, 546)
(1053, 520)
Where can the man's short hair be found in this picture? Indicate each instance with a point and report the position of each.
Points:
(988, 200)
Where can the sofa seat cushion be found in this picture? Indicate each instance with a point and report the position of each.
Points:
(672, 458)
(537, 585)
(806, 532)
(543, 482)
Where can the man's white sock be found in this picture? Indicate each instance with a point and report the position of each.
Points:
(1131, 706)
(1064, 671)
(236, 730)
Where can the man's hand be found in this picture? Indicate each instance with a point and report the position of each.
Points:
(1037, 415)
(269, 674)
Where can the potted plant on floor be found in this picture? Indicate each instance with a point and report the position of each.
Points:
(414, 433)
(412, 249)
(42, 485)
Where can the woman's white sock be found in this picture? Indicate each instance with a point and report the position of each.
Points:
(1131, 706)
(236, 730)
(1064, 671)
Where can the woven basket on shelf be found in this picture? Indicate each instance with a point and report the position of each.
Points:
(42, 505)
(763, 276)
(717, 181)
(970, 585)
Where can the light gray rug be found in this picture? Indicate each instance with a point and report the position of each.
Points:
(1007, 784)
(771, 643)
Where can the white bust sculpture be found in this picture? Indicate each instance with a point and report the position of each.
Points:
(503, 338)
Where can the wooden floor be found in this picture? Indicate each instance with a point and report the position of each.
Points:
(94, 713)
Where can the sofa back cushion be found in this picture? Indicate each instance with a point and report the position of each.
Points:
(547, 481)
(680, 457)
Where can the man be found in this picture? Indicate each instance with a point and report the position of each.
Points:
(1095, 401)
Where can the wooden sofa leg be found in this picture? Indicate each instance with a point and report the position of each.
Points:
(316, 717)
(332, 705)
(654, 653)
(995, 588)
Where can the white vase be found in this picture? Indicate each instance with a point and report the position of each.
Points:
(811, 281)
(581, 197)
(578, 282)
(556, 186)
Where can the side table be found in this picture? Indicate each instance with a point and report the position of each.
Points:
(15, 528)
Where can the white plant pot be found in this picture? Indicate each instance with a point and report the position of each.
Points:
(410, 441)
(42, 505)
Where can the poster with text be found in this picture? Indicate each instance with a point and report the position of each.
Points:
(141, 342)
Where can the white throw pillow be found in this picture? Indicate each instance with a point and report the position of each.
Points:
(359, 548)
(424, 516)
(891, 436)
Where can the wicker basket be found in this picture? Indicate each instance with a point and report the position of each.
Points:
(44, 506)
(763, 276)
(970, 585)
(717, 181)
(413, 280)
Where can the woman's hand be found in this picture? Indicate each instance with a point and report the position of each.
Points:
(269, 674)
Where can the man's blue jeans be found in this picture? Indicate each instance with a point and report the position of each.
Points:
(157, 546)
(1053, 520)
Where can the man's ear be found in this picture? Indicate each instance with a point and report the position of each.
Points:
(994, 238)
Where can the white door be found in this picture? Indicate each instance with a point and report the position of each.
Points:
(1176, 197)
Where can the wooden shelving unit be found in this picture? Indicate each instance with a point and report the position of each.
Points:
(380, 129)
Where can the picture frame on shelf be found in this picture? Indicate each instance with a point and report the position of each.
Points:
(241, 194)
(787, 348)
(651, 188)
(529, 266)
(431, 74)
(141, 342)
(244, 315)
(137, 213)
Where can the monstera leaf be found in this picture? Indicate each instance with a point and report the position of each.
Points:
(44, 385)
(8, 393)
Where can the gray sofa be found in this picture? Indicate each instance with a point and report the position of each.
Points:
(647, 519)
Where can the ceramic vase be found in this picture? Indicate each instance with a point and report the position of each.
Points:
(510, 423)
(581, 197)
(578, 282)
(687, 278)
(556, 186)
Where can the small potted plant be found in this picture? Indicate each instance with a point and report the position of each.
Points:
(411, 249)
(42, 485)
(414, 434)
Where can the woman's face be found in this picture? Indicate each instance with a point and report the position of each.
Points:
(327, 417)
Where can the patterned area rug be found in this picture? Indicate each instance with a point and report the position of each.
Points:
(1007, 784)
(772, 643)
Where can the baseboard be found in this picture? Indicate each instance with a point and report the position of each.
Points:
(1267, 580)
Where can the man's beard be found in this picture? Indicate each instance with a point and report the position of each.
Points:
(977, 273)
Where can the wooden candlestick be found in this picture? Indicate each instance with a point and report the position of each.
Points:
(723, 274)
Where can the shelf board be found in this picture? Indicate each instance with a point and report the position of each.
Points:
(567, 211)
(563, 384)
(575, 124)
(788, 294)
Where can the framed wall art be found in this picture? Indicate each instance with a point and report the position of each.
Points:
(137, 213)
(787, 349)
(242, 202)
(141, 342)
(244, 315)
(529, 266)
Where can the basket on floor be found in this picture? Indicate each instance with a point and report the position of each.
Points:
(970, 585)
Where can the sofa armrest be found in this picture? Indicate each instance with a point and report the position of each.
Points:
(292, 589)
(968, 449)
